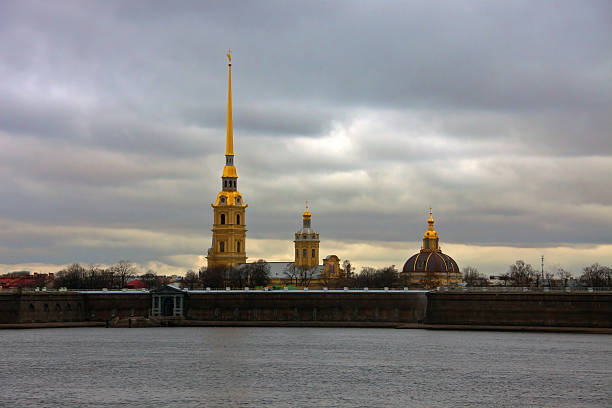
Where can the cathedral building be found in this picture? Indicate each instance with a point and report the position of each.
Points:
(431, 267)
(228, 247)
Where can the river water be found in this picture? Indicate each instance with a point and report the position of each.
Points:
(320, 367)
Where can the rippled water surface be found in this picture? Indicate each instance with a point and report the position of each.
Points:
(278, 367)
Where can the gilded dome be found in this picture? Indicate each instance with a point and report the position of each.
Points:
(430, 262)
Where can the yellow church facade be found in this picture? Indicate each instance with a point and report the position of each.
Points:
(228, 248)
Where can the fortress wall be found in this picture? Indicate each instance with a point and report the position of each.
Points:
(444, 308)
(106, 306)
(9, 307)
(326, 307)
(582, 309)
(51, 307)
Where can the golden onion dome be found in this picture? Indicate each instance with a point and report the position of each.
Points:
(306, 214)
(430, 233)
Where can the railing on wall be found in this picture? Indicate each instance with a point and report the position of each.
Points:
(514, 289)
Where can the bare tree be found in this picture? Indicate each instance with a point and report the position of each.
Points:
(151, 280)
(348, 269)
(472, 277)
(190, 280)
(596, 275)
(71, 277)
(123, 270)
(563, 275)
(292, 271)
(259, 273)
(521, 274)
(213, 277)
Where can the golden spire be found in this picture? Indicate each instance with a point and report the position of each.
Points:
(229, 146)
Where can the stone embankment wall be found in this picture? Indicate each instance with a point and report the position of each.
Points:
(577, 309)
(552, 309)
(408, 307)
(42, 307)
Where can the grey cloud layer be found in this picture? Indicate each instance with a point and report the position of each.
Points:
(112, 115)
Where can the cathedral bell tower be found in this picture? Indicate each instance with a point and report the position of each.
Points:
(229, 226)
(306, 244)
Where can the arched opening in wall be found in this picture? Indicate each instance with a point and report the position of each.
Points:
(68, 307)
(78, 307)
(304, 253)
(46, 307)
(238, 246)
(221, 246)
(31, 307)
(58, 308)
(224, 183)
(222, 219)
(313, 253)
(237, 219)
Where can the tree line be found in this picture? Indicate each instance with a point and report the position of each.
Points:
(116, 276)
(257, 274)
(523, 274)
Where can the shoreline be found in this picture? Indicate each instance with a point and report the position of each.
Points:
(379, 325)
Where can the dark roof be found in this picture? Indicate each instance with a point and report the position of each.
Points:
(430, 261)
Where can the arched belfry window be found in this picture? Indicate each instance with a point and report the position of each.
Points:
(313, 252)
(221, 246)
(304, 253)
(238, 219)
(238, 246)
(297, 253)
(222, 219)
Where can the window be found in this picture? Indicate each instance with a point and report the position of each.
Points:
(313, 252)
(237, 200)
(237, 218)
(221, 246)
(222, 199)
(222, 219)
(304, 255)
(297, 253)
(238, 246)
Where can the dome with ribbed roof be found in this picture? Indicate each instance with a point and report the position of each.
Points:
(431, 266)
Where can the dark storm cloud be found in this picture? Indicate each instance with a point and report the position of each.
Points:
(112, 115)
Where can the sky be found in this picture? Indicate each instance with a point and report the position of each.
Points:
(498, 115)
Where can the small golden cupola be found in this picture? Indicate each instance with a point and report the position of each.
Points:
(430, 238)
